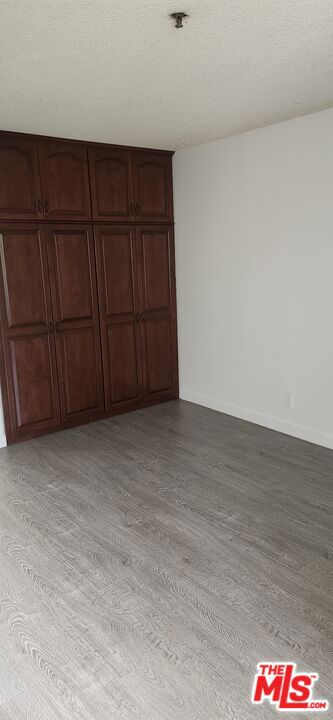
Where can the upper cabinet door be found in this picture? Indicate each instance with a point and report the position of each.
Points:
(152, 178)
(111, 183)
(65, 181)
(20, 194)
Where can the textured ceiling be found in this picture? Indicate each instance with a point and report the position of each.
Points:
(118, 71)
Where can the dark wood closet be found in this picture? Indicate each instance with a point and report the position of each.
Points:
(87, 291)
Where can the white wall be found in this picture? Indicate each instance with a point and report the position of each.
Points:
(254, 254)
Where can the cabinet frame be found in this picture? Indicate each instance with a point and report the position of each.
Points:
(138, 155)
(145, 399)
(135, 220)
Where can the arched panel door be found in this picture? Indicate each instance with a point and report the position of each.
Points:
(152, 179)
(111, 183)
(65, 181)
(20, 193)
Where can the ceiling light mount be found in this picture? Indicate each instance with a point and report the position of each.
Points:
(178, 18)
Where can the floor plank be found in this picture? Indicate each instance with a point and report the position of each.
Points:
(149, 561)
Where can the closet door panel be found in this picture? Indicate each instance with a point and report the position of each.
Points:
(124, 367)
(65, 181)
(25, 275)
(75, 309)
(119, 269)
(33, 380)
(74, 272)
(158, 341)
(156, 257)
(118, 297)
(155, 249)
(80, 371)
(111, 183)
(27, 331)
(20, 192)
(152, 179)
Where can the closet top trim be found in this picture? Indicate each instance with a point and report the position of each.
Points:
(86, 143)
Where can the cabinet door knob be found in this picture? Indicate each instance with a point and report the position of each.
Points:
(131, 209)
(137, 317)
(39, 206)
(138, 209)
(46, 206)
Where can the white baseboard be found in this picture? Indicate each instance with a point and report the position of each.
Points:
(3, 441)
(298, 431)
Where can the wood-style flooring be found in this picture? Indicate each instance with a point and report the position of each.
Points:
(150, 561)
